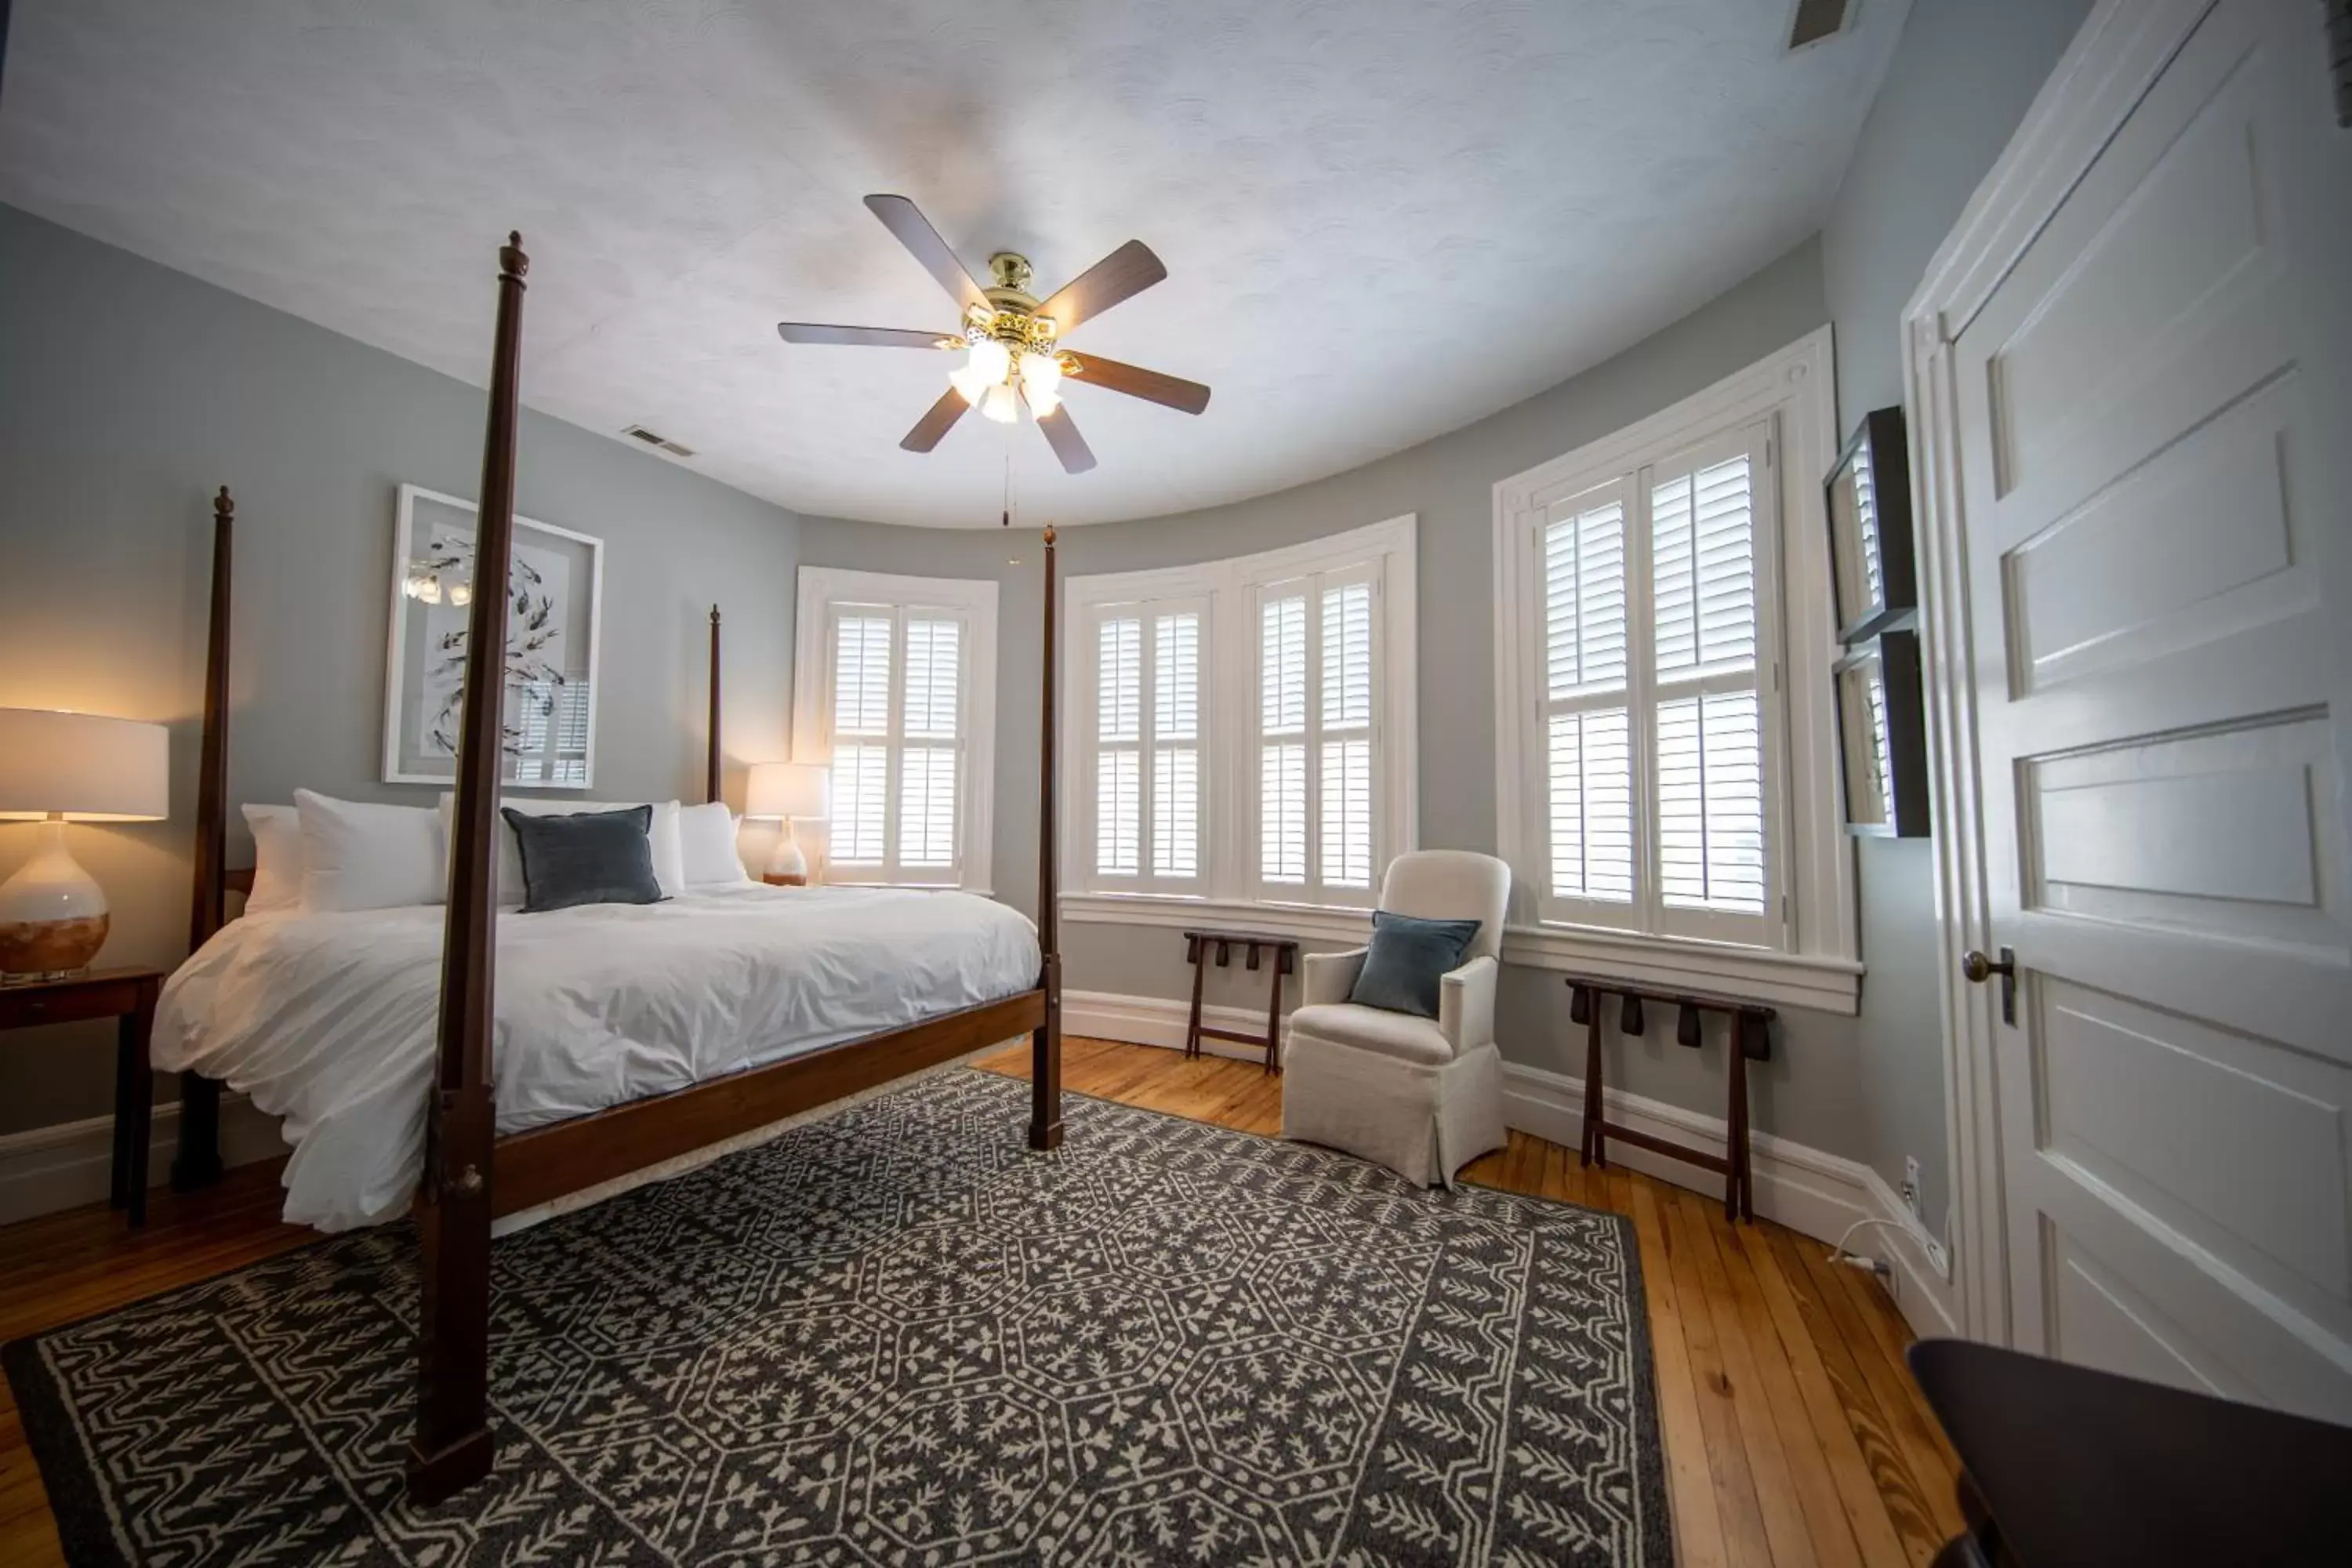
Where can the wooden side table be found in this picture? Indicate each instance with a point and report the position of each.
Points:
(1284, 952)
(126, 996)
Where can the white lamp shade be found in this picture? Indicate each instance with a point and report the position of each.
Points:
(82, 766)
(786, 790)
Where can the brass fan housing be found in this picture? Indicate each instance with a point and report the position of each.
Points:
(1011, 292)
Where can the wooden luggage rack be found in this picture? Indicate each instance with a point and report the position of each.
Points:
(1749, 1029)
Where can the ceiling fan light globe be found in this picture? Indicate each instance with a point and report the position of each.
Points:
(999, 405)
(990, 360)
(1040, 375)
(969, 383)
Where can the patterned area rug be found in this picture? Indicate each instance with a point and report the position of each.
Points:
(896, 1337)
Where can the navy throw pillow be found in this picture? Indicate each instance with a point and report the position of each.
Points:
(1407, 960)
(585, 857)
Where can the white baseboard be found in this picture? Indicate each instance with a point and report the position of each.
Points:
(1157, 1021)
(1812, 1193)
(46, 1169)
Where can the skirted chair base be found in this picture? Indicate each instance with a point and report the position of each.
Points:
(1423, 1120)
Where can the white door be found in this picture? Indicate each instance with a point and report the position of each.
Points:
(2153, 436)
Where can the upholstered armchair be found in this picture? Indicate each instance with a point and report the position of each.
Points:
(1422, 1095)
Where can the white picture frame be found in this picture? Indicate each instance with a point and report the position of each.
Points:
(551, 721)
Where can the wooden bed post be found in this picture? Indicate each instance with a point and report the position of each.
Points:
(1046, 1042)
(451, 1450)
(198, 1164)
(710, 790)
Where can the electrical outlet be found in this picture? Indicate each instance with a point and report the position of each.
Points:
(1911, 1184)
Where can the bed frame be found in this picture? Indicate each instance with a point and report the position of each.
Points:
(473, 1177)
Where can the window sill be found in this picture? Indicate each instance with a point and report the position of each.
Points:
(1812, 981)
(1308, 922)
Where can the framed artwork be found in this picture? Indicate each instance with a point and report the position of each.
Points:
(1883, 737)
(556, 585)
(1869, 495)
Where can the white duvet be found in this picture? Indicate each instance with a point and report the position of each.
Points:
(329, 1020)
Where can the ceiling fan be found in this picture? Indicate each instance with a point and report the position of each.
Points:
(1011, 342)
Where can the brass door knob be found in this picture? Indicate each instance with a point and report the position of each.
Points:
(1980, 969)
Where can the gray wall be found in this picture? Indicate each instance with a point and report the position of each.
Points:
(1808, 1092)
(130, 392)
(1961, 81)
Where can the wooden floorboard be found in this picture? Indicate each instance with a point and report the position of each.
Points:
(1794, 1434)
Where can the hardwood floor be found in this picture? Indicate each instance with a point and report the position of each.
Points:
(1793, 1435)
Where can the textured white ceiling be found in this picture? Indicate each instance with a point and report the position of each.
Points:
(1382, 218)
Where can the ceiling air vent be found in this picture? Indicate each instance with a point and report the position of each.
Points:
(1815, 20)
(639, 433)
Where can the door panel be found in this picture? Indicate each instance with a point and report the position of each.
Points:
(2152, 418)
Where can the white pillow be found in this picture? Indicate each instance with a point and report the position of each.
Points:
(708, 836)
(661, 833)
(359, 856)
(276, 859)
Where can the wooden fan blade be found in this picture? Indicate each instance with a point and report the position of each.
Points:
(858, 337)
(1064, 438)
(1173, 391)
(1123, 274)
(936, 422)
(905, 219)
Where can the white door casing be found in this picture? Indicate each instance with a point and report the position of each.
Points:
(2133, 427)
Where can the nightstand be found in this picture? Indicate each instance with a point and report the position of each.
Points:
(126, 996)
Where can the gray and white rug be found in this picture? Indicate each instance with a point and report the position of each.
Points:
(896, 1337)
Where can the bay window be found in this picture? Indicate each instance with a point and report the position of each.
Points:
(1666, 775)
(1244, 727)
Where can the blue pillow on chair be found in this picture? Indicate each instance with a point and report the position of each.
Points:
(1407, 960)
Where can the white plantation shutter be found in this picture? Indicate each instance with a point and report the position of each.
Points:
(1146, 747)
(861, 795)
(1282, 739)
(1176, 745)
(1709, 769)
(896, 742)
(1347, 712)
(1655, 769)
(1318, 807)
(861, 733)
(1119, 735)
(1589, 762)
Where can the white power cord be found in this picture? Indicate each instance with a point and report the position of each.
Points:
(1838, 1254)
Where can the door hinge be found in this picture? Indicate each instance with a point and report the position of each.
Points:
(1767, 451)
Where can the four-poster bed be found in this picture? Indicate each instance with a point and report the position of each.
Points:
(473, 1175)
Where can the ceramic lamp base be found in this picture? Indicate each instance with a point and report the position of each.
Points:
(787, 866)
(53, 916)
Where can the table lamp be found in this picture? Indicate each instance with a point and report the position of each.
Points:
(781, 791)
(60, 768)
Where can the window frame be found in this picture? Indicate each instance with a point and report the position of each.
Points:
(824, 591)
(1810, 955)
(1230, 590)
